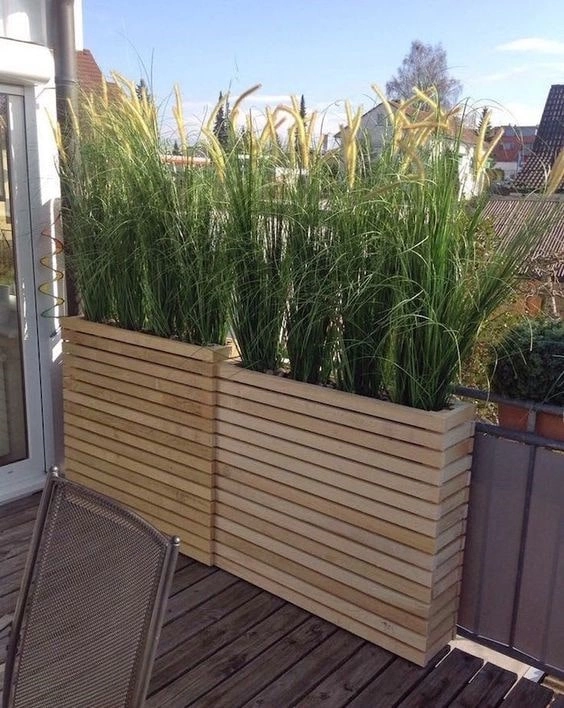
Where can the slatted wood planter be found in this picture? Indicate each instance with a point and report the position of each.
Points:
(139, 425)
(351, 508)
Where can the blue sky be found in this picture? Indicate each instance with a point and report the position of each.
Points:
(506, 53)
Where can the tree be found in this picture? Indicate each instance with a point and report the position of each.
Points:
(489, 134)
(221, 125)
(425, 68)
(142, 90)
(176, 148)
(302, 108)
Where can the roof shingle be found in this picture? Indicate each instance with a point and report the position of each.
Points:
(510, 214)
(548, 143)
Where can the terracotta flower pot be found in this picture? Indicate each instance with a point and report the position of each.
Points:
(551, 425)
(512, 417)
(547, 425)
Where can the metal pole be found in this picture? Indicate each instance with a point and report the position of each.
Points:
(66, 86)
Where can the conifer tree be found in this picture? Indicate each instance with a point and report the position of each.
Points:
(221, 125)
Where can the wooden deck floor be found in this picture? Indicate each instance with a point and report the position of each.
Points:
(226, 643)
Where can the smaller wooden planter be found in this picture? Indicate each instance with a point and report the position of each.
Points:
(351, 508)
(139, 425)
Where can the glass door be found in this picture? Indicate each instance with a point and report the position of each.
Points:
(21, 428)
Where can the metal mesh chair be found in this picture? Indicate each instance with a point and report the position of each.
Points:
(91, 604)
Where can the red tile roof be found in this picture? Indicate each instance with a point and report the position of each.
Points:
(515, 145)
(89, 75)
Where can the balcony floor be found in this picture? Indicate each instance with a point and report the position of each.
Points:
(226, 643)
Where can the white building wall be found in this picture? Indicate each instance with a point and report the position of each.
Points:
(26, 62)
(510, 169)
(23, 20)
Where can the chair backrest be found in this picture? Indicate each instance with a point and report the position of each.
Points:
(91, 604)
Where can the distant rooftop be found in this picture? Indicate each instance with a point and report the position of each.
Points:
(516, 143)
(548, 142)
(510, 214)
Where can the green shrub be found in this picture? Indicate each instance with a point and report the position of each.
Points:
(530, 365)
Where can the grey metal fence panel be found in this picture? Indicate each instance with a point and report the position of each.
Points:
(513, 578)
(539, 629)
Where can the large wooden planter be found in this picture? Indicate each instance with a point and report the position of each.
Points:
(351, 508)
(139, 425)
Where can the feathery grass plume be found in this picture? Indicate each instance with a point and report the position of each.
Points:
(556, 174)
(368, 271)
(482, 152)
(178, 113)
(349, 140)
(237, 105)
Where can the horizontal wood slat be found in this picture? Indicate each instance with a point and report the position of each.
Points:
(101, 388)
(439, 421)
(104, 377)
(309, 415)
(141, 352)
(185, 378)
(198, 496)
(193, 400)
(348, 470)
(194, 511)
(352, 602)
(287, 490)
(180, 476)
(166, 521)
(209, 354)
(324, 568)
(338, 534)
(344, 552)
(300, 594)
(140, 436)
(436, 459)
(200, 446)
(233, 435)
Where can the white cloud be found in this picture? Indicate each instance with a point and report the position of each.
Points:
(533, 44)
(516, 113)
(266, 99)
(504, 75)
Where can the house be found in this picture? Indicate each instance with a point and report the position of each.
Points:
(37, 61)
(548, 143)
(375, 130)
(512, 151)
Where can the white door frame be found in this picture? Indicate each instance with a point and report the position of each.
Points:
(20, 478)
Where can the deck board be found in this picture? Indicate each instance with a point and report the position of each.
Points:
(228, 644)
(487, 689)
(396, 682)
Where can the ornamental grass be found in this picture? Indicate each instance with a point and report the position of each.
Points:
(362, 270)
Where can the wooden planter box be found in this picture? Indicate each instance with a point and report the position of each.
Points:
(139, 425)
(351, 508)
